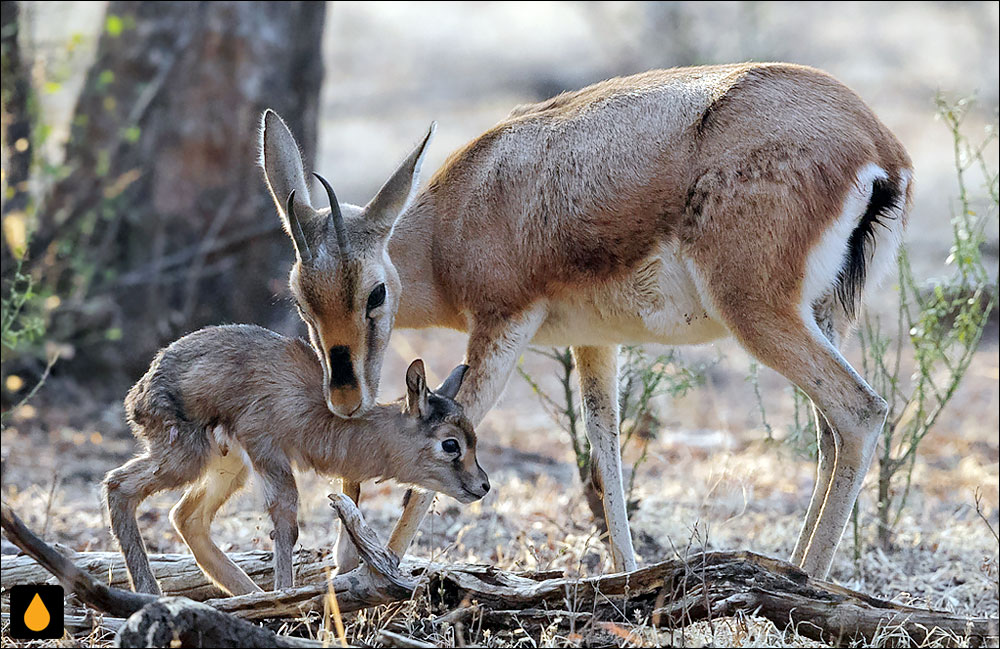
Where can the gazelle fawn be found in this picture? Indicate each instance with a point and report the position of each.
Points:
(224, 402)
(760, 201)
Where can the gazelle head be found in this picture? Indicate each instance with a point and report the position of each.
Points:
(344, 284)
(444, 456)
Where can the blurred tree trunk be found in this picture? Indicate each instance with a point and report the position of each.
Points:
(162, 222)
(15, 95)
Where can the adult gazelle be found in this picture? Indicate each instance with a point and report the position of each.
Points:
(758, 201)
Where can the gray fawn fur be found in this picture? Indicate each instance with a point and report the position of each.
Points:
(224, 402)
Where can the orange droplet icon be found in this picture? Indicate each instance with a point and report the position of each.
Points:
(36, 617)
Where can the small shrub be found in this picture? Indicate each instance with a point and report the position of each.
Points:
(642, 378)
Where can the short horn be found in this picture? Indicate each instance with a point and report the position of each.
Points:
(298, 236)
(336, 217)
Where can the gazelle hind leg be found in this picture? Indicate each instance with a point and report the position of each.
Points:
(766, 289)
(598, 369)
(826, 460)
(798, 350)
(834, 324)
(192, 517)
(347, 554)
(493, 350)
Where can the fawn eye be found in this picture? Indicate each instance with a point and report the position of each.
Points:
(450, 446)
(377, 297)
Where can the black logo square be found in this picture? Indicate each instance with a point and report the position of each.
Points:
(36, 612)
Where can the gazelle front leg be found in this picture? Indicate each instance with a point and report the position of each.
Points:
(347, 554)
(416, 502)
(495, 344)
(598, 368)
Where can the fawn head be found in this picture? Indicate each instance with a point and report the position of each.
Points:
(344, 284)
(444, 456)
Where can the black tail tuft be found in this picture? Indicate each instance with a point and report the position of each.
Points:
(886, 196)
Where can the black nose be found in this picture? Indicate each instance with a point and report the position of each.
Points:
(486, 488)
(341, 370)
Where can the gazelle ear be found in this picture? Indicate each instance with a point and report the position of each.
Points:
(416, 389)
(283, 171)
(395, 195)
(453, 383)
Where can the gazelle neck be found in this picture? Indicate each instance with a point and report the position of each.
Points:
(422, 302)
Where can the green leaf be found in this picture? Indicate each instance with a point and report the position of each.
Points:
(114, 25)
(131, 134)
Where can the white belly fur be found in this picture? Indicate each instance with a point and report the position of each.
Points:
(658, 303)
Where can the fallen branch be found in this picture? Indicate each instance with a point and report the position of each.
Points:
(379, 580)
(153, 621)
(178, 574)
(178, 621)
(117, 602)
(670, 594)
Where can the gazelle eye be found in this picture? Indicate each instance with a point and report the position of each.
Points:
(450, 446)
(377, 297)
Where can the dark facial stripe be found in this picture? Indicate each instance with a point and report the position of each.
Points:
(341, 371)
(371, 354)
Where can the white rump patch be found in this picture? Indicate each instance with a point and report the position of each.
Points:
(826, 260)
(889, 240)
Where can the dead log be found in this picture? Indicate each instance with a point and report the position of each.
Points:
(671, 593)
(178, 574)
(153, 621)
(178, 621)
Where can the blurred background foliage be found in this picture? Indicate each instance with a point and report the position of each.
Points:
(143, 225)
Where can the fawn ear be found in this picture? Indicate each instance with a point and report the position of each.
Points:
(453, 383)
(283, 171)
(416, 389)
(395, 195)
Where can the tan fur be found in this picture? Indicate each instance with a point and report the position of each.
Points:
(675, 206)
(224, 401)
(582, 187)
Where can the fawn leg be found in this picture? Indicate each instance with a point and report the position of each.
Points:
(192, 518)
(124, 489)
(282, 499)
